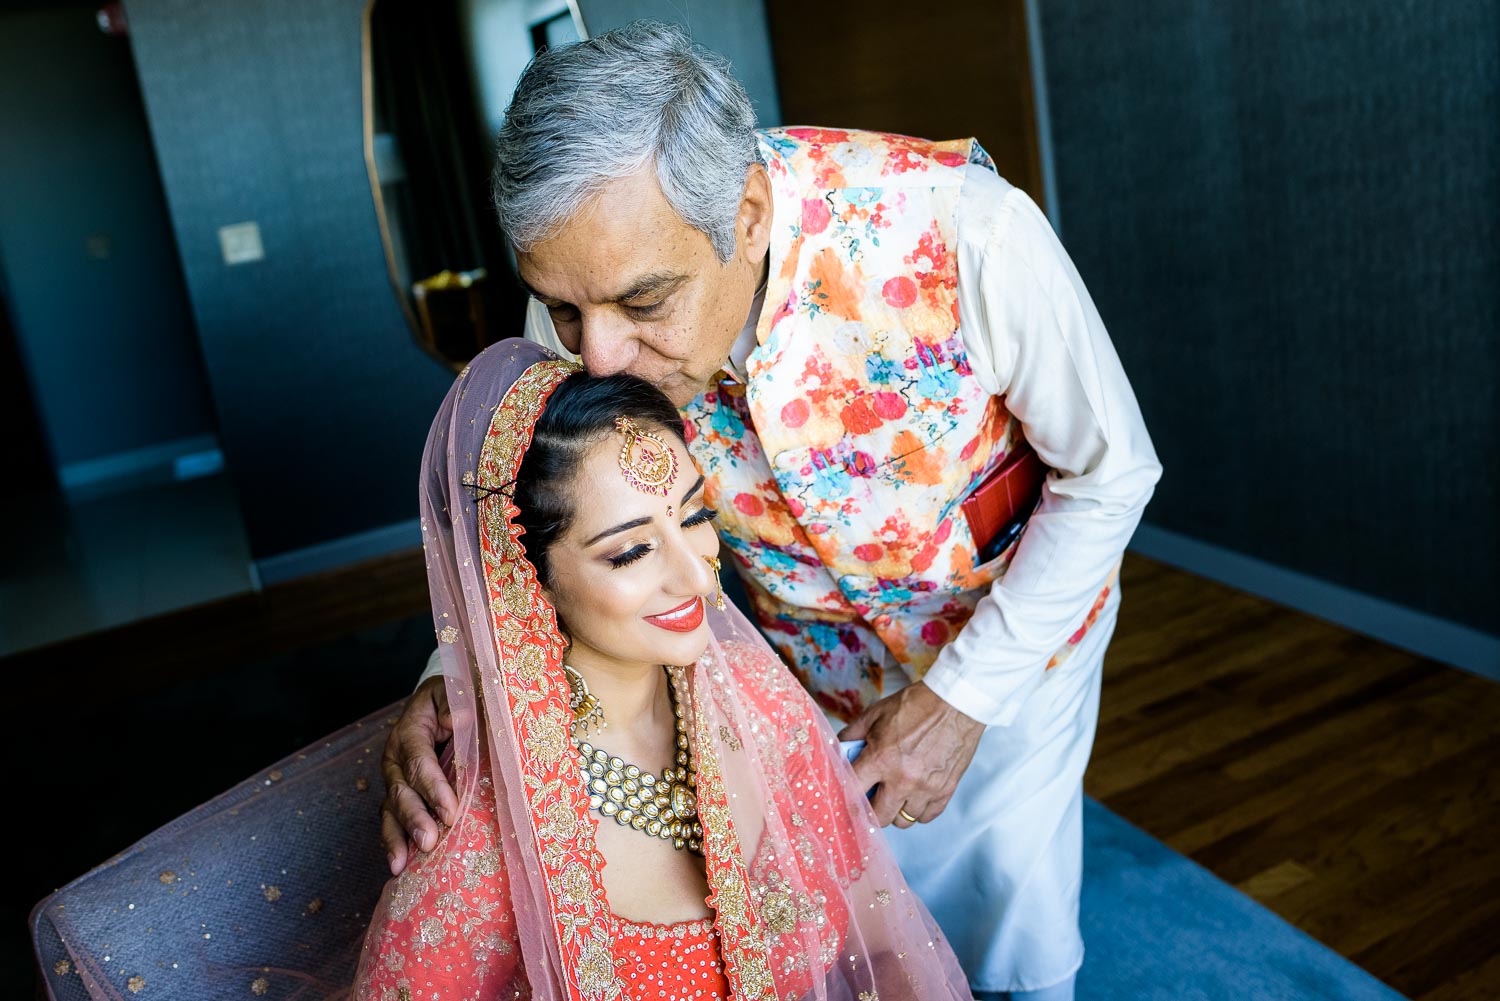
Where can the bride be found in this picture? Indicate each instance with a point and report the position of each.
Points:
(650, 805)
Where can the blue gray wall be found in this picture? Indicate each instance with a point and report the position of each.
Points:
(736, 29)
(323, 400)
(107, 341)
(1289, 214)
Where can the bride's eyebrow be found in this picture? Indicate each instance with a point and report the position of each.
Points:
(638, 522)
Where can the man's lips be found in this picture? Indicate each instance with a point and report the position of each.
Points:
(683, 619)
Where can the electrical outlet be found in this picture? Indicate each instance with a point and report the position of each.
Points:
(241, 243)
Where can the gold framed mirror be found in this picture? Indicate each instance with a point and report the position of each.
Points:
(437, 76)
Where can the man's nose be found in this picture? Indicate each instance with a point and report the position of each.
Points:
(606, 346)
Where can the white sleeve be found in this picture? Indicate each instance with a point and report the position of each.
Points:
(539, 329)
(1035, 338)
(434, 668)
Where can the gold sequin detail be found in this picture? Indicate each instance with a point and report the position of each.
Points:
(61, 967)
(136, 984)
(517, 600)
(168, 877)
(882, 897)
(547, 737)
(362, 784)
(433, 931)
(747, 956)
(315, 905)
(449, 634)
(779, 912)
(273, 893)
(730, 740)
(562, 822)
(274, 776)
(575, 887)
(679, 931)
(259, 986)
(530, 664)
(596, 971)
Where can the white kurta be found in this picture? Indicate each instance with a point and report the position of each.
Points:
(1001, 867)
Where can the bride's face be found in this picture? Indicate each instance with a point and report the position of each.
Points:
(629, 580)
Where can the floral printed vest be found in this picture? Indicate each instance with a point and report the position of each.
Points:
(839, 469)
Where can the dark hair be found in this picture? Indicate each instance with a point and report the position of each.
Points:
(579, 412)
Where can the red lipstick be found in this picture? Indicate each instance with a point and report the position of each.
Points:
(683, 619)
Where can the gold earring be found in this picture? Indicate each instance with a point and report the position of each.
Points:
(713, 561)
(587, 712)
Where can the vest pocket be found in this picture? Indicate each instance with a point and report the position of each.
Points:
(892, 520)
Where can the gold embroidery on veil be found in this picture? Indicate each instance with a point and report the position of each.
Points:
(528, 643)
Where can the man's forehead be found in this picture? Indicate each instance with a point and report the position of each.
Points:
(623, 239)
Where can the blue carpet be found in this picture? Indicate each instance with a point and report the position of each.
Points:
(1157, 925)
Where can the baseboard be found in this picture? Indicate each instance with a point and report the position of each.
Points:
(337, 553)
(182, 459)
(1427, 635)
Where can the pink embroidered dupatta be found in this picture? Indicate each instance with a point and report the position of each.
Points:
(806, 899)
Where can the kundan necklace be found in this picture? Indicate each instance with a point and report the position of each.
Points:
(663, 806)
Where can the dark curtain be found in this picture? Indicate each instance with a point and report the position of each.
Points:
(424, 99)
(29, 459)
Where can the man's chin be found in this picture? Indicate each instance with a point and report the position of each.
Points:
(681, 389)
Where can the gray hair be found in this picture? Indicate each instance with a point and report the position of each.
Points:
(585, 114)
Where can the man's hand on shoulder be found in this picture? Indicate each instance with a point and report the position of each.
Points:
(414, 780)
(917, 748)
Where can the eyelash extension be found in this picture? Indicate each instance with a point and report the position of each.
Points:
(640, 552)
(703, 517)
(628, 557)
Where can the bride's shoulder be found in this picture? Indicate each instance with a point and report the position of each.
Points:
(750, 659)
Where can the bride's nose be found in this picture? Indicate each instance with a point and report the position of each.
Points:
(690, 570)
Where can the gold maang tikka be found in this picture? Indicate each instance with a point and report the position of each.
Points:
(648, 464)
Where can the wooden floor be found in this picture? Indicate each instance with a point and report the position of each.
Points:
(1350, 787)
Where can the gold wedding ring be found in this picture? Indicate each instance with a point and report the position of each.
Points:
(907, 817)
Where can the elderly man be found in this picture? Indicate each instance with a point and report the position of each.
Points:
(879, 348)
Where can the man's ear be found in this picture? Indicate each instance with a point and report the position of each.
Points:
(755, 216)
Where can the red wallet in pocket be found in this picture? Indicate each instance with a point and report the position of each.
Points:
(999, 507)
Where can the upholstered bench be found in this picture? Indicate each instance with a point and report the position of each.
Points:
(287, 863)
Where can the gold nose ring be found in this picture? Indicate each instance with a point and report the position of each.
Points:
(713, 561)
